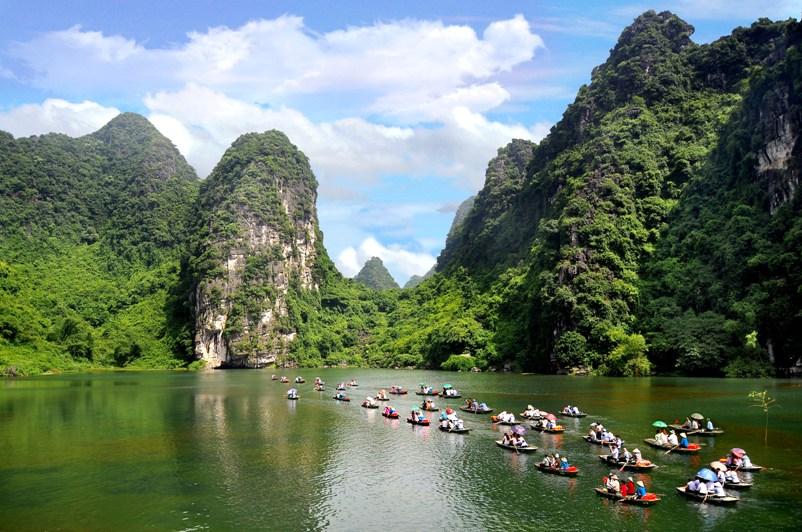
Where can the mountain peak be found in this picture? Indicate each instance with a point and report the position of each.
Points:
(375, 275)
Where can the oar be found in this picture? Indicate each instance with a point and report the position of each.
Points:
(668, 451)
(623, 466)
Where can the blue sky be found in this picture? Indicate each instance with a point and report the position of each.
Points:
(398, 104)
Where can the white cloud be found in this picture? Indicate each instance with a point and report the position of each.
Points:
(56, 115)
(351, 260)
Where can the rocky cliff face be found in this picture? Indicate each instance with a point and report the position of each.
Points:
(258, 243)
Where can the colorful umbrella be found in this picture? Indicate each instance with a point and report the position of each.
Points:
(518, 429)
(551, 417)
(706, 474)
(449, 411)
(291, 391)
(718, 466)
(697, 416)
(446, 386)
(659, 424)
(737, 451)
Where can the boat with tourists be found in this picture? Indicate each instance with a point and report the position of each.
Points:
(398, 390)
(641, 466)
(513, 448)
(571, 471)
(342, 397)
(423, 422)
(712, 499)
(692, 448)
(647, 500)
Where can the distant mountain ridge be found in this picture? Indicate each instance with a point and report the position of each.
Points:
(375, 275)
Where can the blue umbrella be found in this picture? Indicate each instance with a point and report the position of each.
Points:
(707, 474)
(519, 430)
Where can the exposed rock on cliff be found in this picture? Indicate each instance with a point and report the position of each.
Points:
(258, 232)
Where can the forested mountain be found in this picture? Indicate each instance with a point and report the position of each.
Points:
(656, 228)
(92, 231)
(374, 275)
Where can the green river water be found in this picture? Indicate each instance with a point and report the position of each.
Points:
(226, 450)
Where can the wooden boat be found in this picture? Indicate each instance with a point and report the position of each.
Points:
(692, 448)
(738, 485)
(382, 398)
(496, 421)
(429, 408)
(744, 469)
(527, 449)
(434, 393)
(729, 499)
(570, 472)
(540, 428)
(424, 423)
(570, 414)
(340, 387)
(320, 389)
(454, 431)
(293, 397)
(285, 380)
(353, 384)
(698, 432)
(346, 399)
(469, 409)
(274, 377)
(630, 466)
(537, 417)
(597, 442)
(400, 391)
(365, 404)
(391, 415)
(453, 396)
(299, 380)
(649, 500)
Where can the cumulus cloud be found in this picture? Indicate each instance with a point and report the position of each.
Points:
(408, 263)
(408, 99)
(56, 115)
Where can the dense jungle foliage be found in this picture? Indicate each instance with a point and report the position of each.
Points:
(374, 275)
(656, 229)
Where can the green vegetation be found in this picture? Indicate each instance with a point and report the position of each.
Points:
(656, 229)
(764, 402)
(374, 275)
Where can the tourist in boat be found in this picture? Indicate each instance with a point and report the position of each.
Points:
(630, 486)
(660, 437)
(695, 425)
(567, 409)
(612, 485)
(519, 441)
(672, 439)
(624, 489)
(615, 452)
(546, 460)
(626, 456)
(687, 423)
(618, 440)
(730, 476)
(564, 463)
(531, 412)
(717, 490)
(697, 486)
(382, 394)
(640, 492)
(710, 425)
(683, 440)
(370, 401)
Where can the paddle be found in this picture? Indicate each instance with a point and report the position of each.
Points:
(668, 451)
(623, 466)
(705, 499)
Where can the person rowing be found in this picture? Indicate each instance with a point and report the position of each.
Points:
(683, 442)
(613, 485)
(640, 492)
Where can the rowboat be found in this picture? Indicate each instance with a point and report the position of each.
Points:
(451, 396)
(745, 469)
(597, 442)
(429, 408)
(480, 411)
(571, 414)
(541, 428)
(648, 500)
(454, 431)
(398, 392)
(424, 422)
(320, 389)
(729, 499)
(365, 404)
(628, 466)
(293, 397)
(434, 393)
(570, 472)
(382, 398)
(698, 432)
(738, 485)
(391, 415)
(338, 398)
(692, 448)
(497, 421)
(513, 448)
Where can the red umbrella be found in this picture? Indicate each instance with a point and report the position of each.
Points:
(551, 417)
(449, 411)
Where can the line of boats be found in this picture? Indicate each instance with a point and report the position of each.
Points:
(545, 422)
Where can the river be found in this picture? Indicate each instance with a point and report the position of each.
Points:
(225, 450)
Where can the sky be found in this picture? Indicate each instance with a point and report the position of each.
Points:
(399, 104)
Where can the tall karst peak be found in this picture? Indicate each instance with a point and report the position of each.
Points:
(257, 245)
(375, 275)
